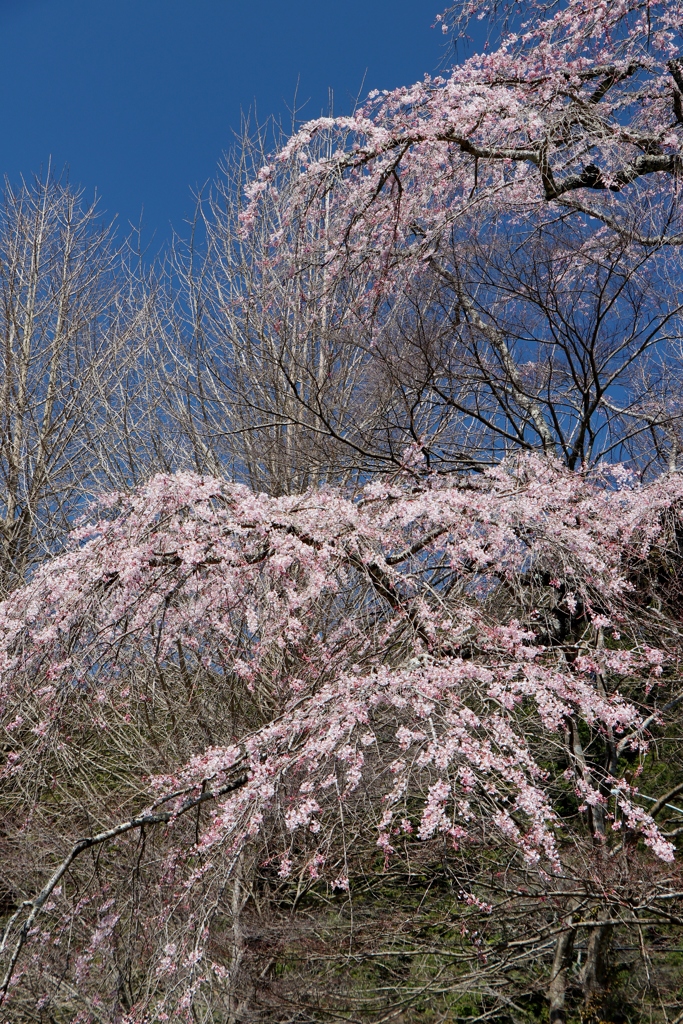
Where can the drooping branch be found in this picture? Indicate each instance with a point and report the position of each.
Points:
(141, 821)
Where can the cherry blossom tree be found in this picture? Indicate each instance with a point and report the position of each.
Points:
(485, 261)
(229, 717)
(538, 184)
(211, 679)
(514, 127)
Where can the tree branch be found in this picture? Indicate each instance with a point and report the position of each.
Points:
(140, 821)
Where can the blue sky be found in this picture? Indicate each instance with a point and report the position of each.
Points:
(139, 98)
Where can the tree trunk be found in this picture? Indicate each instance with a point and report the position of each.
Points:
(557, 990)
(594, 975)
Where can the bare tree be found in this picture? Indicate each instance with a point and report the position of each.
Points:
(276, 379)
(560, 345)
(58, 285)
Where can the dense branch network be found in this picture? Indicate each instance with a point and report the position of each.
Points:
(409, 653)
(579, 104)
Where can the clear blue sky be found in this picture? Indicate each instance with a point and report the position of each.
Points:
(139, 98)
